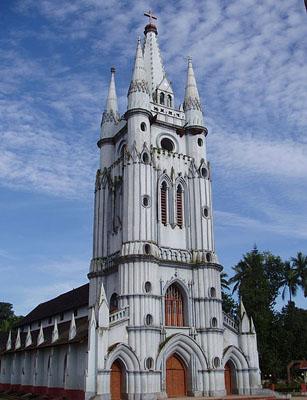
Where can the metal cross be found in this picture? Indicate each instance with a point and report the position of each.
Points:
(150, 15)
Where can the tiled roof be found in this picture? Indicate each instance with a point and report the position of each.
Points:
(67, 301)
(63, 329)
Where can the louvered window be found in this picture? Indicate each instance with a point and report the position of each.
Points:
(174, 306)
(164, 203)
(179, 205)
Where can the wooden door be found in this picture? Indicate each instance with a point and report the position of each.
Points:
(116, 381)
(175, 377)
(228, 379)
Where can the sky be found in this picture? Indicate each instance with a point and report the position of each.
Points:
(250, 62)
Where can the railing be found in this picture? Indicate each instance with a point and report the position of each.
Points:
(119, 315)
(230, 322)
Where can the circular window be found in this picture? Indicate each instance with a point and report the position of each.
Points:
(214, 322)
(212, 292)
(146, 201)
(147, 248)
(204, 172)
(148, 319)
(145, 158)
(147, 287)
(205, 212)
(149, 363)
(208, 257)
(200, 142)
(216, 362)
(143, 127)
(167, 144)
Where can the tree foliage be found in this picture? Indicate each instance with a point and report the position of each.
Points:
(258, 279)
(7, 317)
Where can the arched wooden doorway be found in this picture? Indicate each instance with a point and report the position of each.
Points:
(230, 383)
(175, 377)
(117, 381)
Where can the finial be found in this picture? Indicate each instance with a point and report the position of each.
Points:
(150, 15)
(150, 27)
(189, 59)
(113, 70)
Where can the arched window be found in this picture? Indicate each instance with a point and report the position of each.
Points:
(179, 206)
(65, 368)
(114, 303)
(174, 307)
(162, 98)
(164, 203)
(169, 100)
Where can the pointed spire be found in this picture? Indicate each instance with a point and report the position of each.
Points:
(40, 338)
(103, 309)
(156, 75)
(18, 340)
(55, 332)
(110, 115)
(244, 320)
(72, 328)
(28, 338)
(192, 104)
(138, 94)
(9, 341)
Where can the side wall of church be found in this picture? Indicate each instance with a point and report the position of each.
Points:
(57, 370)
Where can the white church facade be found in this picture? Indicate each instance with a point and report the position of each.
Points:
(149, 324)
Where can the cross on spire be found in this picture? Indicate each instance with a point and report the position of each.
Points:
(150, 15)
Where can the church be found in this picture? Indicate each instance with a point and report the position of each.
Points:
(149, 324)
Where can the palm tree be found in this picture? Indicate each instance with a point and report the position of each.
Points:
(300, 264)
(224, 282)
(290, 281)
(242, 270)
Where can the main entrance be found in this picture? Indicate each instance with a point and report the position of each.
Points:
(229, 378)
(175, 377)
(116, 381)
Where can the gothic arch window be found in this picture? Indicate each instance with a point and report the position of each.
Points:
(162, 98)
(65, 368)
(114, 303)
(169, 100)
(179, 206)
(174, 306)
(164, 201)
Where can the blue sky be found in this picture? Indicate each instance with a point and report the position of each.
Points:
(250, 61)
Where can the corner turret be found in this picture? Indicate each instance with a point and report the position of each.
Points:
(192, 104)
(110, 116)
(138, 93)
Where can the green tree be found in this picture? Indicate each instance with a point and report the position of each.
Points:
(7, 317)
(257, 279)
(229, 305)
(6, 311)
(290, 281)
(300, 264)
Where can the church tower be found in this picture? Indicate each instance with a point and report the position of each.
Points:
(156, 325)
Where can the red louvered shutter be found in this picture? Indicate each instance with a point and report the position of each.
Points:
(179, 206)
(164, 203)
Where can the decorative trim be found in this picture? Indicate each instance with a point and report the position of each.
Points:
(192, 103)
(138, 86)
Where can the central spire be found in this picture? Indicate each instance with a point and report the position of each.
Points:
(155, 71)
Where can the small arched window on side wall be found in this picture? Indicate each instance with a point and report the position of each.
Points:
(179, 206)
(162, 98)
(65, 368)
(114, 303)
(164, 202)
